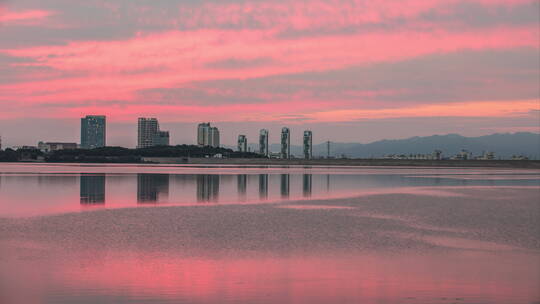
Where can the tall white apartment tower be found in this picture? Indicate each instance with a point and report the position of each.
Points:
(285, 143)
(203, 132)
(308, 144)
(207, 136)
(150, 135)
(213, 137)
(242, 143)
(147, 129)
(263, 142)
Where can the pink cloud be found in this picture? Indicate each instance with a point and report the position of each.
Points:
(115, 70)
(88, 76)
(29, 17)
(462, 109)
(305, 15)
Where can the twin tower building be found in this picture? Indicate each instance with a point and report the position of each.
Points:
(285, 147)
(93, 135)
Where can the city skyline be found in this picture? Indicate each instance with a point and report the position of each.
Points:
(262, 146)
(269, 151)
(93, 130)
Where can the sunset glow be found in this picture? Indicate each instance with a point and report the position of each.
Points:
(237, 61)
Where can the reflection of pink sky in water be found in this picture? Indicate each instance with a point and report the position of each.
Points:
(58, 200)
(313, 207)
(473, 276)
(483, 177)
(26, 195)
(418, 244)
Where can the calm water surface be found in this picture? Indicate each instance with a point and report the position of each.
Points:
(226, 234)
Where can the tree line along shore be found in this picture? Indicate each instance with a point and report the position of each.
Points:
(190, 154)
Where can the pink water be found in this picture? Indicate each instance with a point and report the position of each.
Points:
(161, 234)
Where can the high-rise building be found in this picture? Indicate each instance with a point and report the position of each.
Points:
(285, 143)
(213, 137)
(263, 142)
(242, 143)
(147, 130)
(203, 131)
(207, 136)
(93, 131)
(150, 135)
(308, 144)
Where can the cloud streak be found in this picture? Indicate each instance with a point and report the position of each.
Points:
(29, 17)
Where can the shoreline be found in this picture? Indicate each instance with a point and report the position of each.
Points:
(532, 164)
(521, 164)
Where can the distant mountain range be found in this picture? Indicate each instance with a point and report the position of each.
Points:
(504, 145)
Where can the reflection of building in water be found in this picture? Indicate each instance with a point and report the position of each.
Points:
(92, 188)
(152, 187)
(327, 182)
(306, 184)
(284, 185)
(242, 185)
(207, 187)
(263, 186)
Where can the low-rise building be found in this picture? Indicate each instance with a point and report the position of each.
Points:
(274, 155)
(487, 156)
(25, 148)
(463, 155)
(55, 146)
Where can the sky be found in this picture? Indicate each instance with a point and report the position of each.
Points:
(350, 70)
